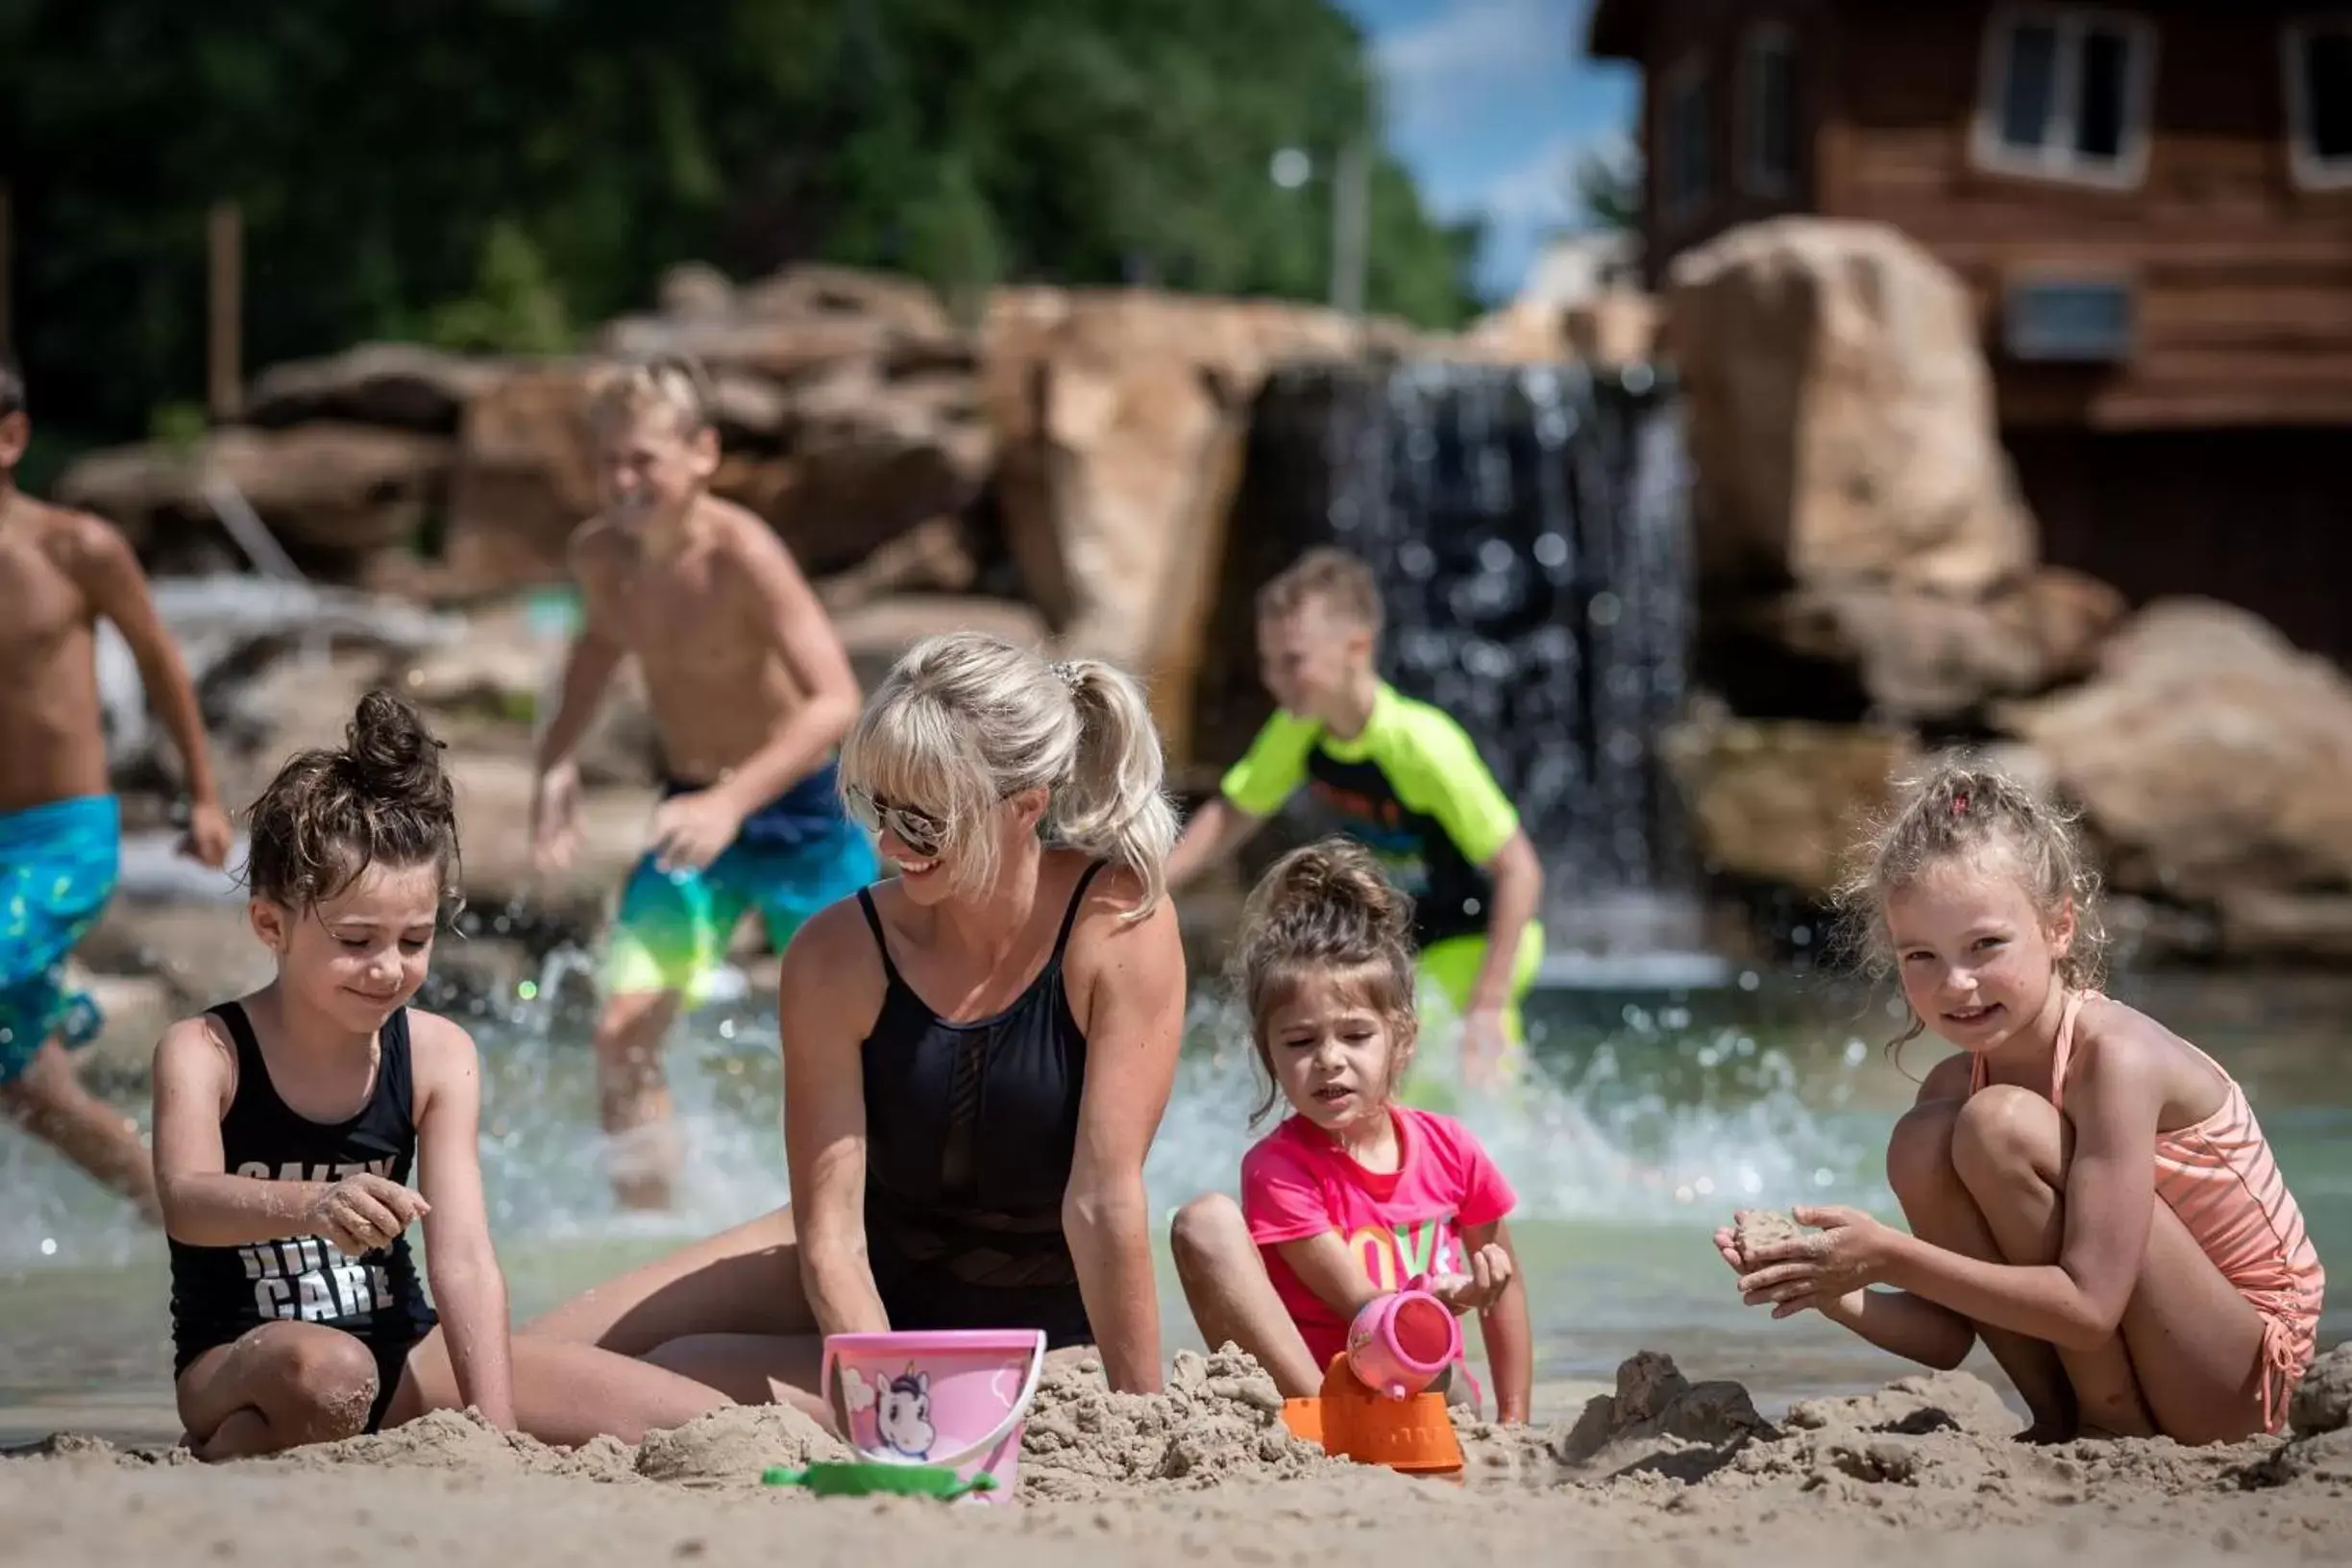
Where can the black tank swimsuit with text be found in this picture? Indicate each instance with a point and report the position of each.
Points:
(221, 1294)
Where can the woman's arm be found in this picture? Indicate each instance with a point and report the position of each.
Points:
(824, 1115)
(467, 1284)
(1504, 1324)
(1132, 980)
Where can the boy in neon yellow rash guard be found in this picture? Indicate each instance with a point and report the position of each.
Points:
(1406, 781)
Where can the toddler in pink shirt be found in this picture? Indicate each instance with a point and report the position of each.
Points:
(1352, 1194)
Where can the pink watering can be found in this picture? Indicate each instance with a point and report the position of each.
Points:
(1373, 1406)
(1402, 1342)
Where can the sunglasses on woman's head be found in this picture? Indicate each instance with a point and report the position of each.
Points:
(918, 830)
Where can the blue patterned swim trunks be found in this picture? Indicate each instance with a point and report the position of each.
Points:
(58, 865)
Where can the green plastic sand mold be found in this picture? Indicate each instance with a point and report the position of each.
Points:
(854, 1478)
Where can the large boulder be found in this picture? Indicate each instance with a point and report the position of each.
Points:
(1862, 549)
(525, 478)
(332, 494)
(405, 386)
(1841, 412)
(873, 456)
(800, 322)
(1781, 803)
(1920, 656)
(1107, 404)
(2213, 762)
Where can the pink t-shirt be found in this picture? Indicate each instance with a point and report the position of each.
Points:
(1297, 1182)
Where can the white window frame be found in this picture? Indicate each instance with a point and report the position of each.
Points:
(1760, 40)
(2311, 172)
(1690, 75)
(2057, 160)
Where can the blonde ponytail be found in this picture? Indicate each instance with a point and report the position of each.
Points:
(1111, 804)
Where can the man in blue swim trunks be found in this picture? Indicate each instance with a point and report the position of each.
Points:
(749, 691)
(60, 831)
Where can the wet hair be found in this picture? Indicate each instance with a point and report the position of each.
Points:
(1325, 911)
(964, 720)
(675, 381)
(1961, 809)
(12, 386)
(1339, 581)
(379, 798)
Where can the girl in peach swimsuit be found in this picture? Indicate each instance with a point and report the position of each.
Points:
(2219, 1180)
(2136, 1263)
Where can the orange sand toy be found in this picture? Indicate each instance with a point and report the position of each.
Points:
(1413, 1434)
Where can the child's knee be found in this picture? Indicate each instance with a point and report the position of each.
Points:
(2001, 1128)
(1207, 1230)
(323, 1382)
(1919, 1158)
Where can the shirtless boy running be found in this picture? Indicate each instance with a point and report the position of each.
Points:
(749, 691)
(60, 830)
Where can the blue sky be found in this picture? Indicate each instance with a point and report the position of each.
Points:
(1489, 102)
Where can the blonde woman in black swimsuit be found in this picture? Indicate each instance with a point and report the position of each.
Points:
(976, 1054)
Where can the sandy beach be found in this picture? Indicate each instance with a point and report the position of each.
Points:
(1665, 1471)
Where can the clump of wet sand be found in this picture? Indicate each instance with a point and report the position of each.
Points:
(1656, 1409)
(734, 1446)
(1754, 1229)
(1219, 1419)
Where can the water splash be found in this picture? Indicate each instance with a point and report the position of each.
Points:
(1648, 1123)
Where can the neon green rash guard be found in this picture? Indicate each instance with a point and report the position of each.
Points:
(1412, 789)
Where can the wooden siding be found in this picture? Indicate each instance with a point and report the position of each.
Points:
(2241, 281)
(2254, 517)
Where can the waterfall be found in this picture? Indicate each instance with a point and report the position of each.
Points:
(1527, 526)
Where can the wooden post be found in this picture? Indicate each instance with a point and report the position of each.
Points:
(226, 336)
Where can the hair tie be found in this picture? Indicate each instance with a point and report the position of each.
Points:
(1069, 675)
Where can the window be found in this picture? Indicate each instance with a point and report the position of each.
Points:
(2318, 58)
(1686, 174)
(2066, 91)
(1767, 112)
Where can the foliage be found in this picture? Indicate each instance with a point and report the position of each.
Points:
(1604, 185)
(496, 173)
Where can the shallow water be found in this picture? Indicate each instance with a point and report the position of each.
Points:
(1653, 1114)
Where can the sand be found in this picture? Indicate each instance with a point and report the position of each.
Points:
(1752, 1229)
(1664, 1470)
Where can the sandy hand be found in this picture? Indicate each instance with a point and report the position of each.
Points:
(364, 1213)
(1491, 1270)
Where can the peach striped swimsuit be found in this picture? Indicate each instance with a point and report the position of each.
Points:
(2219, 1178)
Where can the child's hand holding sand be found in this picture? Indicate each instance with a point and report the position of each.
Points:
(1783, 1265)
(1491, 1270)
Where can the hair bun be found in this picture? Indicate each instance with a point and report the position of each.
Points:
(391, 754)
(1338, 877)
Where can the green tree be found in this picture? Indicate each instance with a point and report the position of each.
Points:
(502, 172)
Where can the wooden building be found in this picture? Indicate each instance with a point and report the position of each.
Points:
(2153, 203)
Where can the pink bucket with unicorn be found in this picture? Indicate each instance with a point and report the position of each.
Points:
(955, 1398)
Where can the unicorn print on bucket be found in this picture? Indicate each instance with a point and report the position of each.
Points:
(902, 1414)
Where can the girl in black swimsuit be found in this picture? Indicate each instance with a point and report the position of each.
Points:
(285, 1127)
(976, 1054)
